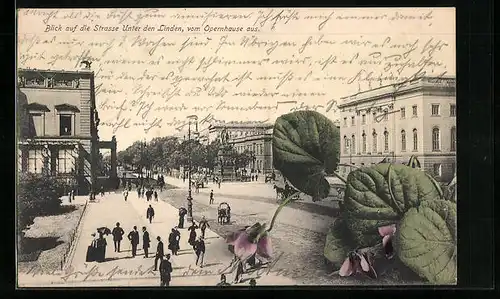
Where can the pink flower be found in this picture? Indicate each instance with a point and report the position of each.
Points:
(386, 232)
(250, 241)
(358, 263)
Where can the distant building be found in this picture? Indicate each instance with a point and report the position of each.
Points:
(58, 122)
(253, 137)
(397, 121)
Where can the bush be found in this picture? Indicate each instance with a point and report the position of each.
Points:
(37, 196)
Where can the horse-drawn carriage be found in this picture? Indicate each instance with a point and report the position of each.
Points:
(224, 213)
(283, 193)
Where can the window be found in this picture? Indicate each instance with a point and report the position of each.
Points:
(454, 168)
(353, 145)
(403, 140)
(453, 110)
(415, 140)
(346, 144)
(35, 161)
(435, 109)
(415, 111)
(436, 169)
(19, 160)
(352, 121)
(386, 141)
(65, 125)
(403, 113)
(374, 135)
(363, 120)
(37, 122)
(435, 139)
(65, 161)
(386, 115)
(453, 133)
(364, 142)
(345, 121)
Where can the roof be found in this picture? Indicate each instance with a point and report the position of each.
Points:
(439, 82)
(37, 107)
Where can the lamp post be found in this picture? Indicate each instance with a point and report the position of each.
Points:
(189, 197)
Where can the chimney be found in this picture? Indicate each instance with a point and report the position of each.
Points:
(85, 65)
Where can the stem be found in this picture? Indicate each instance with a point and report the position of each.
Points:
(340, 178)
(283, 204)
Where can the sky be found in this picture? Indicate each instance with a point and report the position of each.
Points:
(155, 67)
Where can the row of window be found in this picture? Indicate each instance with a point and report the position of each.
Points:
(350, 144)
(258, 149)
(435, 111)
(437, 168)
(37, 124)
(37, 161)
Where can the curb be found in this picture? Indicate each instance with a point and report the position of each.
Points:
(68, 257)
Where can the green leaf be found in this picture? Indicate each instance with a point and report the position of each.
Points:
(426, 241)
(337, 246)
(305, 149)
(369, 202)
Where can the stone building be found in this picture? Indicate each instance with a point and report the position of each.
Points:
(58, 125)
(397, 121)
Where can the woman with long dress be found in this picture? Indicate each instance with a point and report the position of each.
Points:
(192, 234)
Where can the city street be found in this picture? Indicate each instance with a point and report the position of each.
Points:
(120, 269)
(298, 236)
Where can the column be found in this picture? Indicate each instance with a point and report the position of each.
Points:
(113, 172)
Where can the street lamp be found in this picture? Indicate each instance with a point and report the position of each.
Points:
(189, 197)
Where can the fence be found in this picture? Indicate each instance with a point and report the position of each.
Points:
(72, 239)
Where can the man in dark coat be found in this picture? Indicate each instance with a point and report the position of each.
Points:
(211, 201)
(182, 213)
(203, 226)
(117, 236)
(223, 282)
(149, 194)
(150, 213)
(133, 236)
(159, 252)
(165, 270)
(145, 241)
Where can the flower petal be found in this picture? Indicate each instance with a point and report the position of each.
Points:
(346, 269)
(243, 248)
(387, 230)
(232, 237)
(385, 239)
(264, 247)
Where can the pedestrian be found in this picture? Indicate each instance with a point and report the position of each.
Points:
(101, 248)
(125, 195)
(192, 234)
(102, 191)
(182, 213)
(223, 282)
(200, 251)
(117, 236)
(139, 192)
(150, 213)
(133, 236)
(145, 241)
(203, 226)
(159, 252)
(149, 194)
(173, 241)
(219, 181)
(256, 176)
(156, 195)
(165, 270)
(211, 199)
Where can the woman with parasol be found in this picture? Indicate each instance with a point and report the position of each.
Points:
(101, 243)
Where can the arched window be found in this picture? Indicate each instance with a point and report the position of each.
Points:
(386, 141)
(415, 140)
(353, 145)
(453, 145)
(346, 145)
(364, 142)
(374, 135)
(435, 139)
(403, 140)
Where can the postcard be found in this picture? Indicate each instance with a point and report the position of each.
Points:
(236, 147)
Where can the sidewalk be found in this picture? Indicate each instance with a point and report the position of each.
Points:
(120, 269)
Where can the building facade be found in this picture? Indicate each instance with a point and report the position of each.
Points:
(58, 125)
(255, 138)
(397, 121)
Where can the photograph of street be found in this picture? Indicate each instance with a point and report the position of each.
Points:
(132, 174)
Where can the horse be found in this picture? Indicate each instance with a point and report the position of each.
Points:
(284, 192)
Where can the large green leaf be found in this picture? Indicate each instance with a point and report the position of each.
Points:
(426, 241)
(337, 243)
(306, 148)
(369, 202)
